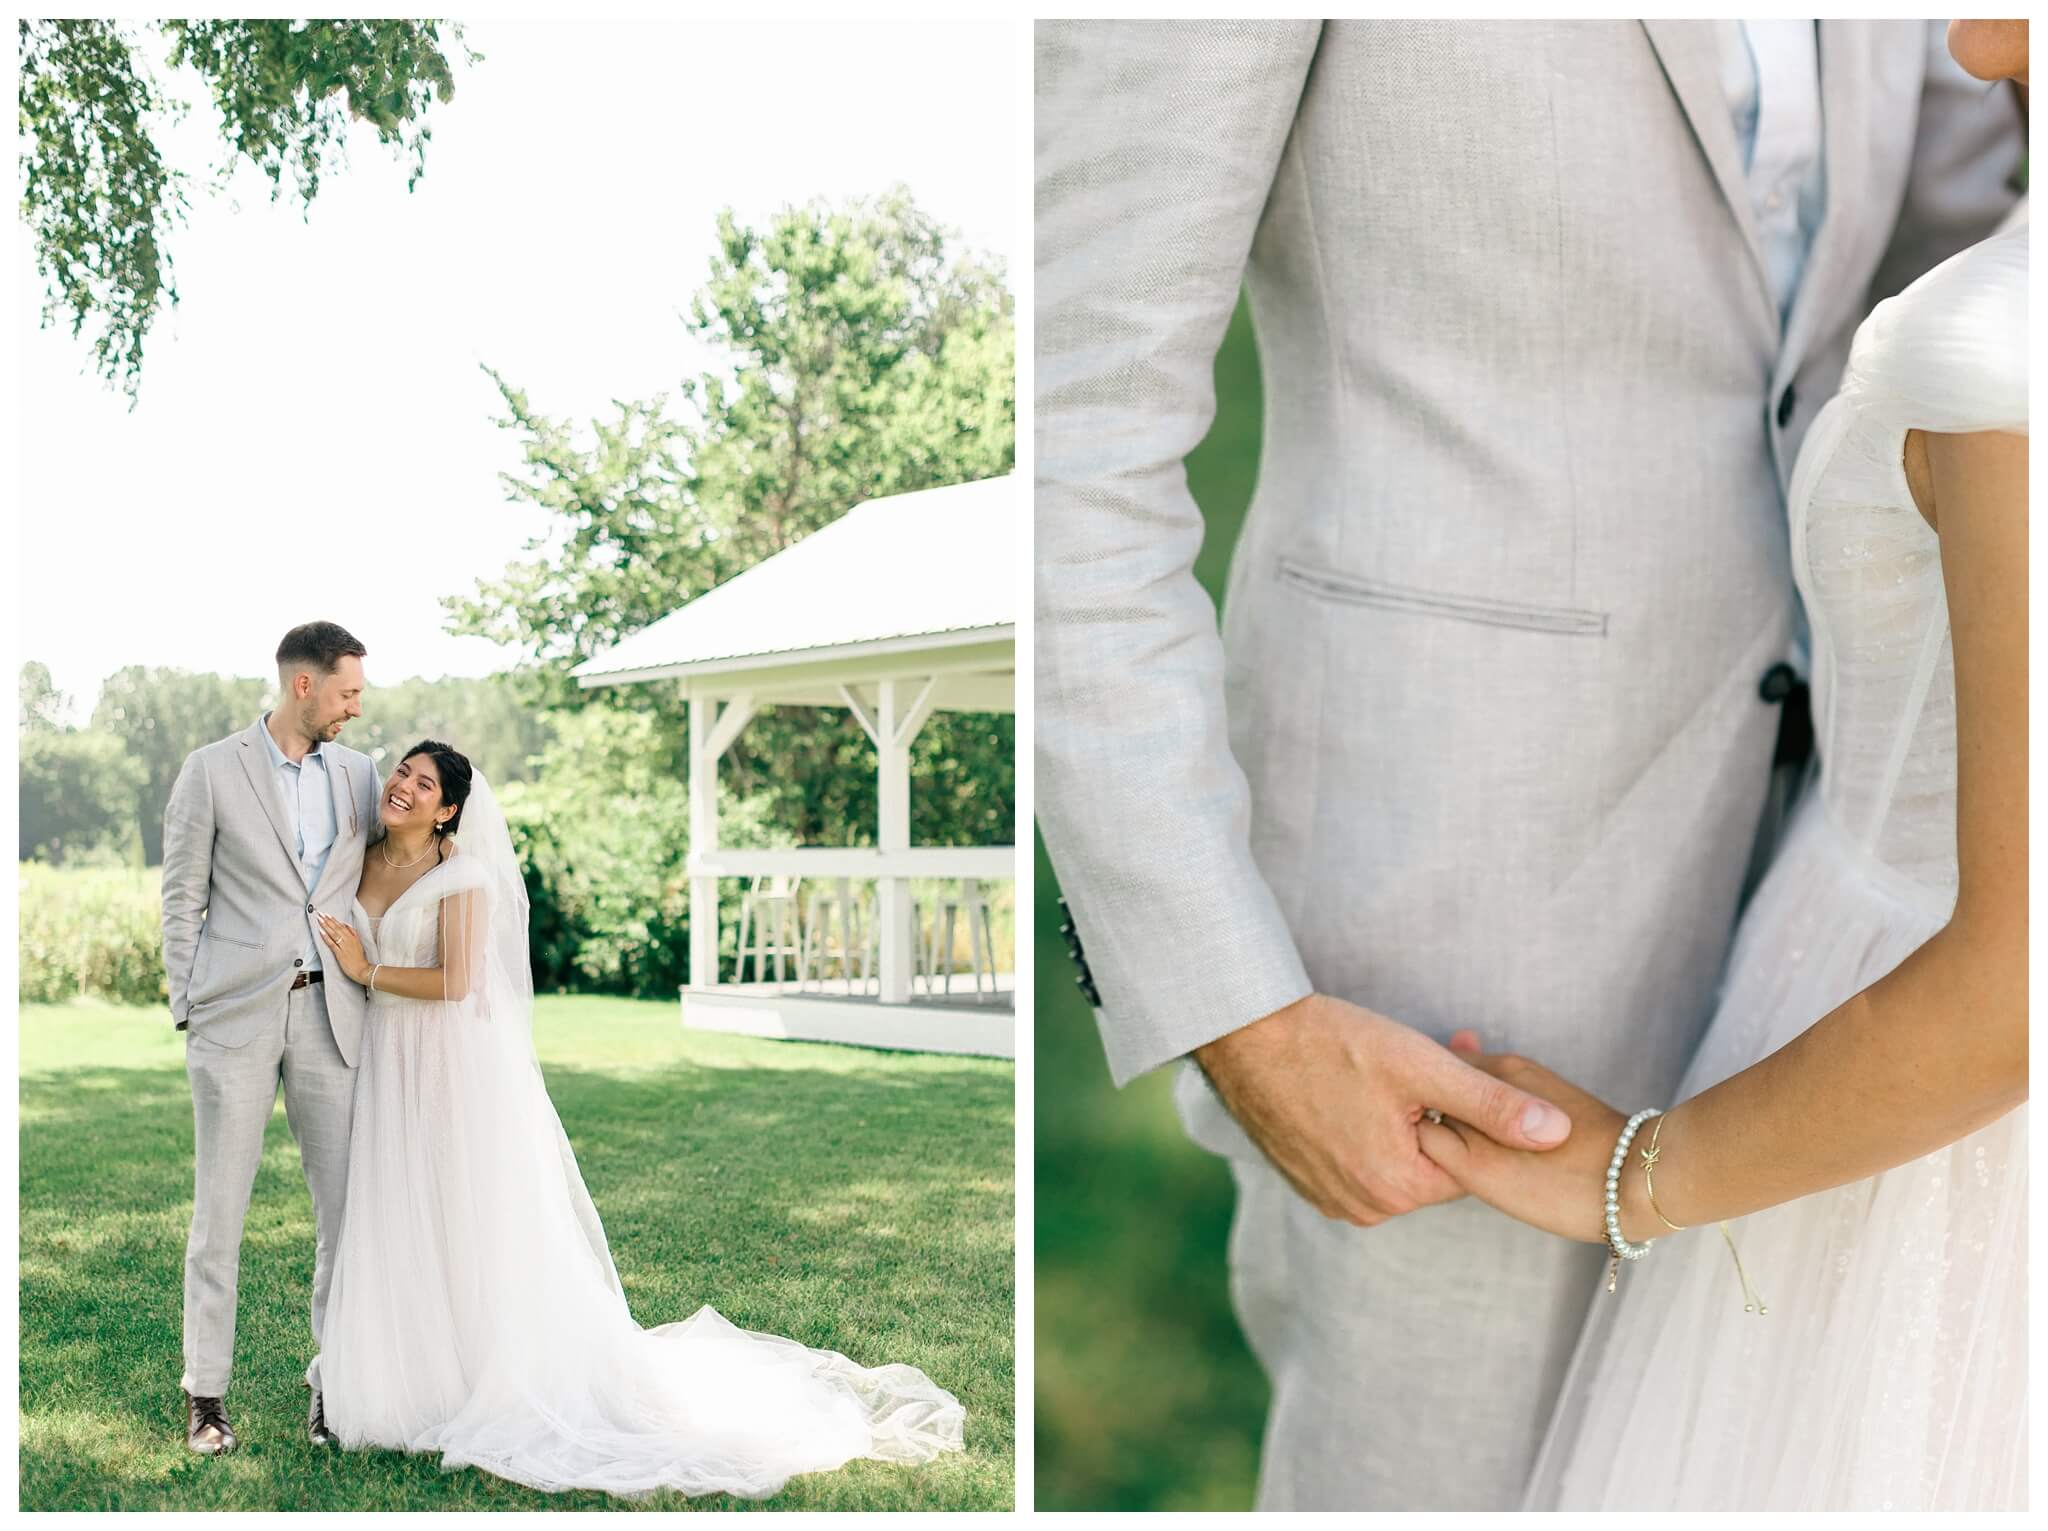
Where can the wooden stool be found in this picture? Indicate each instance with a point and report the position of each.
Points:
(980, 934)
(825, 907)
(760, 908)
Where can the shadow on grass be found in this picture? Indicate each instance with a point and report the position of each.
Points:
(865, 1210)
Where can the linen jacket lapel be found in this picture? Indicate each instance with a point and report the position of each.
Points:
(1689, 55)
(341, 784)
(1825, 285)
(256, 765)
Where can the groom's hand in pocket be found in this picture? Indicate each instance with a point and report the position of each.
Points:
(1333, 1094)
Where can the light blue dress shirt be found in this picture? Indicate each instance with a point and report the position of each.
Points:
(307, 797)
(1770, 71)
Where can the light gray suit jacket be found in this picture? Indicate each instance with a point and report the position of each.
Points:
(236, 908)
(1481, 741)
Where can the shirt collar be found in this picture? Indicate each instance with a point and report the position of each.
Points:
(277, 755)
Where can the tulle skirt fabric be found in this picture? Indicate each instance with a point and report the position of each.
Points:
(1891, 1369)
(475, 1311)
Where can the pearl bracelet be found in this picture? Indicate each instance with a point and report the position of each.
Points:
(1623, 1249)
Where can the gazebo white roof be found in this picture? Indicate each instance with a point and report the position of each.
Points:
(904, 582)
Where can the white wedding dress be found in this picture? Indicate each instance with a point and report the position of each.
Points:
(475, 1310)
(1891, 1369)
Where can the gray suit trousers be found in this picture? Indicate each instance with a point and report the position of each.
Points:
(1380, 1400)
(233, 1090)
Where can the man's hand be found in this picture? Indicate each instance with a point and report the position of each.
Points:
(1333, 1095)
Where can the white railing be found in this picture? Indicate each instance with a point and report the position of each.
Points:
(853, 931)
(989, 863)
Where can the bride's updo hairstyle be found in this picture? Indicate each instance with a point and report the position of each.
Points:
(452, 766)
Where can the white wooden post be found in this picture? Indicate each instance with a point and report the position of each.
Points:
(892, 894)
(703, 841)
(712, 730)
(900, 714)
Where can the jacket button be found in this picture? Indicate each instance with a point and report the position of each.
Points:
(309, 908)
(1777, 683)
(298, 962)
(1785, 402)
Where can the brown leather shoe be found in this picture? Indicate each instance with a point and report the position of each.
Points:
(316, 1423)
(206, 1426)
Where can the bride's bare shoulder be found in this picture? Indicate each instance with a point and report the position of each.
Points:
(1981, 474)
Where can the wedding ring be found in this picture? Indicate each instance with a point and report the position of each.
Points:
(1434, 1115)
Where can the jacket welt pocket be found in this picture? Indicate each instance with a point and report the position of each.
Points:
(208, 933)
(1356, 591)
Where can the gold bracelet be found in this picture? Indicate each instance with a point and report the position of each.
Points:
(1751, 1301)
(1649, 1163)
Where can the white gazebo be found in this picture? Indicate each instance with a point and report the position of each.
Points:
(902, 607)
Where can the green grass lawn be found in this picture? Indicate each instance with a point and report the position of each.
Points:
(856, 1200)
(1147, 1398)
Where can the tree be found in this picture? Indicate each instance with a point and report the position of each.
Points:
(836, 324)
(957, 417)
(854, 344)
(77, 794)
(98, 195)
(159, 716)
(42, 704)
(485, 719)
(863, 358)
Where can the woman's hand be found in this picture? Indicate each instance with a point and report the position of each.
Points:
(1562, 1190)
(347, 948)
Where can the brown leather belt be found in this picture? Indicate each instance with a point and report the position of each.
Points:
(316, 976)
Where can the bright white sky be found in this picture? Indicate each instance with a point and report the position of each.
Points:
(314, 437)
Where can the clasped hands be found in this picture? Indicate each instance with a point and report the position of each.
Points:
(1340, 1100)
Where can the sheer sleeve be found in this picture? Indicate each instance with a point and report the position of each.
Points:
(478, 964)
(465, 943)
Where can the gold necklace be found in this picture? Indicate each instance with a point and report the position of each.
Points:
(384, 849)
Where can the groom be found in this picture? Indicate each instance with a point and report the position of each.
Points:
(263, 830)
(1544, 311)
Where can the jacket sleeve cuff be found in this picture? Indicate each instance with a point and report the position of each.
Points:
(1187, 985)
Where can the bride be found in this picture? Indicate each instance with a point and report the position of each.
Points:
(475, 1311)
(1858, 1098)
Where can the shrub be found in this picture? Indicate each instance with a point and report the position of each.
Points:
(90, 931)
